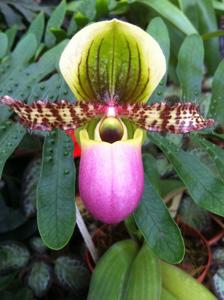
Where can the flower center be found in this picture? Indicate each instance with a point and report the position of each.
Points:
(111, 130)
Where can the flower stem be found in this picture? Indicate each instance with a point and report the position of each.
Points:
(85, 234)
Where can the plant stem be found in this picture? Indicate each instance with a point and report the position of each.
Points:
(85, 234)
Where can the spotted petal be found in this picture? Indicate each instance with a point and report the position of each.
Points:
(43, 115)
(161, 117)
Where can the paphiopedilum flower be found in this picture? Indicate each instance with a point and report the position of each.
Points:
(112, 67)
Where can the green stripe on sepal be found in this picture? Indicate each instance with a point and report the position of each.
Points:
(112, 60)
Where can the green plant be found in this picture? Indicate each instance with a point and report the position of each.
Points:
(127, 271)
(15, 13)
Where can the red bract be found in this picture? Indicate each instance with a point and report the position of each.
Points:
(77, 150)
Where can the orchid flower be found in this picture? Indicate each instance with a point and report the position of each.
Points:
(112, 67)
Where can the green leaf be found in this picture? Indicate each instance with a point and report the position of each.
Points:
(55, 21)
(205, 189)
(218, 5)
(13, 256)
(102, 8)
(150, 167)
(72, 274)
(7, 280)
(27, 13)
(19, 81)
(208, 23)
(210, 35)
(23, 293)
(3, 44)
(163, 186)
(216, 152)
(190, 67)
(189, 7)
(110, 274)
(37, 245)
(11, 34)
(165, 295)
(176, 37)
(37, 27)
(49, 60)
(14, 65)
(29, 186)
(74, 5)
(171, 13)
(10, 218)
(194, 215)
(40, 278)
(56, 191)
(46, 89)
(144, 280)
(59, 34)
(25, 49)
(11, 135)
(158, 30)
(158, 228)
(87, 9)
(182, 285)
(11, 17)
(216, 105)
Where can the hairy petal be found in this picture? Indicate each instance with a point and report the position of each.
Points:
(44, 115)
(161, 117)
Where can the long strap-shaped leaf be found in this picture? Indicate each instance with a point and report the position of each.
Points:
(160, 117)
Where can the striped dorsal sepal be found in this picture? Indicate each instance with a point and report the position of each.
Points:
(44, 115)
(161, 117)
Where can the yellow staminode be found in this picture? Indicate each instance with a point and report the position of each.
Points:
(86, 142)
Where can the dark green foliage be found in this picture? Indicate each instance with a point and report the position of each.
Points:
(13, 256)
(56, 191)
(205, 189)
(158, 30)
(157, 226)
(20, 13)
(37, 245)
(29, 186)
(40, 278)
(10, 218)
(11, 136)
(72, 274)
(193, 215)
(190, 67)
